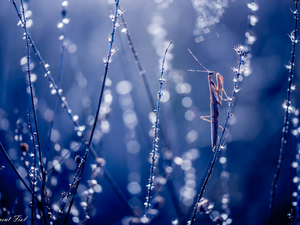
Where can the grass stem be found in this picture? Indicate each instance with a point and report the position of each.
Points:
(285, 129)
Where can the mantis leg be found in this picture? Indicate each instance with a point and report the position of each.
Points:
(204, 118)
(227, 98)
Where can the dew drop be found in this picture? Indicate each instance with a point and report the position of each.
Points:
(65, 3)
(60, 25)
(75, 118)
(66, 21)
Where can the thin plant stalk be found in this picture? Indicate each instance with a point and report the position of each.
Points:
(142, 72)
(53, 85)
(128, 76)
(34, 115)
(23, 158)
(73, 186)
(67, 108)
(138, 62)
(34, 170)
(71, 203)
(63, 200)
(285, 129)
(62, 54)
(220, 143)
(296, 221)
(23, 181)
(153, 155)
(108, 59)
(114, 187)
(31, 89)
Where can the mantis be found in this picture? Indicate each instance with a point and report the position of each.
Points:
(216, 98)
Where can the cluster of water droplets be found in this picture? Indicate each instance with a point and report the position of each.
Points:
(160, 43)
(24, 60)
(154, 152)
(28, 169)
(54, 89)
(133, 147)
(184, 88)
(82, 82)
(59, 208)
(250, 35)
(87, 195)
(289, 108)
(189, 190)
(102, 128)
(64, 20)
(296, 164)
(208, 14)
(159, 33)
(48, 113)
(224, 179)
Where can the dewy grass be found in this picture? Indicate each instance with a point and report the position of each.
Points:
(24, 183)
(287, 107)
(37, 145)
(153, 154)
(55, 89)
(66, 202)
(142, 72)
(107, 61)
(33, 171)
(62, 56)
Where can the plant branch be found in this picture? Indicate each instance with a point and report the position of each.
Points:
(108, 60)
(138, 62)
(153, 156)
(62, 99)
(62, 54)
(23, 181)
(285, 128)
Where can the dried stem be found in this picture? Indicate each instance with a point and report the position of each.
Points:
(31, 90)
(27, 38)
(62, 55)
(73, 186)
(142, 72)
(53, 86)
(155, 141)
(100, 98)
(138, 62)
(67, 109)
(296, 221)
(285, 128)
(34, 116)
(23, 181)
(32, 170)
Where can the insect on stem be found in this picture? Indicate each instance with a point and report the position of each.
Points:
(216, 97)
(217, 93)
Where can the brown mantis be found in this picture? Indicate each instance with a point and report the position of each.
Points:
(216, 98)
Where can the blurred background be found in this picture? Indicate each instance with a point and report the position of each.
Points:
(241, 181)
